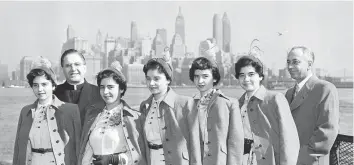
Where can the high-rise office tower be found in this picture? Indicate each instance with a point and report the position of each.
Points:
(217, 30)
(133, 33)
(226, 33)
(179, 26)
(163, 35)
(158, 46)
(178, 48)
(70, 33)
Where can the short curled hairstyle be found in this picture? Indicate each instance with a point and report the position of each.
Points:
(71, 51)
(248, 61)
(117, 78)
(152, 65)
(203, 63)
(39, 72)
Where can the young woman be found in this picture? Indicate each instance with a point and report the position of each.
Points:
(169, 134)
(48, 130)
(270, 133)
(112, 130)
(220, 123)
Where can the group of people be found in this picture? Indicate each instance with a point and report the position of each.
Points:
(77, 123)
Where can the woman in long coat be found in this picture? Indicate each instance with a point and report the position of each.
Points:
(170, 136)
(48, 130)
(112, 132)
(270, 132)
(220, 124)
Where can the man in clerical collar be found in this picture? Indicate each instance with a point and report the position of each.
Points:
(76, 89)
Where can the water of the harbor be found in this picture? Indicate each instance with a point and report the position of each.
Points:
(13, 99)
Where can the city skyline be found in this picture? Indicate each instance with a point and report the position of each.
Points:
(327, 31)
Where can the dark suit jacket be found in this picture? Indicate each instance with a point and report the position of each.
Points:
(316, 113)
(68, 127)
(223, 132)
(178, 131)
(90, 94)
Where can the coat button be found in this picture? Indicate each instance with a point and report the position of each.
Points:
(133, 149)
(165, 127)
(52, 118)
(167, 139)
(251, 109)
(263, 158)
(59, 153)
(57, 141)
(135, 161)
(260, 145)
(54, 130)
(128, 137)
(62, 164)
(169, 152)
(209, 154)
(123, 125)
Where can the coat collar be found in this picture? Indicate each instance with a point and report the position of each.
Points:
(260, 94)
(127, 110)
(303, 93)
(169, 98)
(56, 103)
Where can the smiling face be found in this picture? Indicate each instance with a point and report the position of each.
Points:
(298, 65)
(74, 68)
(109, 91)
(203, 80)
(156, 82)
(42, 89)
(249, 78)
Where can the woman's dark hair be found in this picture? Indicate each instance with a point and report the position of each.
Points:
(152, 65)
(38, 72)
(203, 63)
(116, 77)
(246, 61)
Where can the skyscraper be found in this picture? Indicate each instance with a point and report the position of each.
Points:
(163, 35)
(99, 38)
(178, 48)
(133, 33)
(109, 45)
(158, 46)
(217, 30)
(70, 33)
(179, 26)
(25, 66)
(226, 33)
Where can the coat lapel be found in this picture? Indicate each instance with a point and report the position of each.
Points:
(303, 93)
(289, 95)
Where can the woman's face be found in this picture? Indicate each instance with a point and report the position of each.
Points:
(42, 88)
(249, 78)
(109, 90)
(156, 82)
(203, 80)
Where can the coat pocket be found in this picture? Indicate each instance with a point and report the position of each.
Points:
(185, 155)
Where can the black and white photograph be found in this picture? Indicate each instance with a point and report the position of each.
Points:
(176, 83)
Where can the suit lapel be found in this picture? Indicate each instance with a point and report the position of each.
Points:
(303, 93)
(289, 95)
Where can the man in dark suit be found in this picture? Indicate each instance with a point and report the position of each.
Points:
(76, 89)
(314, 105)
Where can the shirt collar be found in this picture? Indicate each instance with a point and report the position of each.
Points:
(55, 103)
(74, 87)
(303, 82)
(210, 92)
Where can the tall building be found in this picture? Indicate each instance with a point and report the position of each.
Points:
(133, 33)
(99, 39)
(109, 45)
(25, 66)
(134, 73)
(179, 26)
(77, 43)
(145, 46)
(93, 65)
(70, 33)
(217, 30)
(4, 75)
(163, 35)
(158, 46)
(177, 47)
(226, 33)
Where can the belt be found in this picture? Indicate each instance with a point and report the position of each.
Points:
(247, 146)
(42, 150)
(154, 146)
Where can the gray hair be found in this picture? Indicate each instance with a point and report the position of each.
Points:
(306, 51)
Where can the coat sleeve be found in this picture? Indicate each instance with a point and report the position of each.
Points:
(77, 129)
(327, 127)
(16, 148)
(194, 140)
(235, 140)
(141, 139)
(289, 143)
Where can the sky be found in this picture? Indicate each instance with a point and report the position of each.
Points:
(39, 28)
